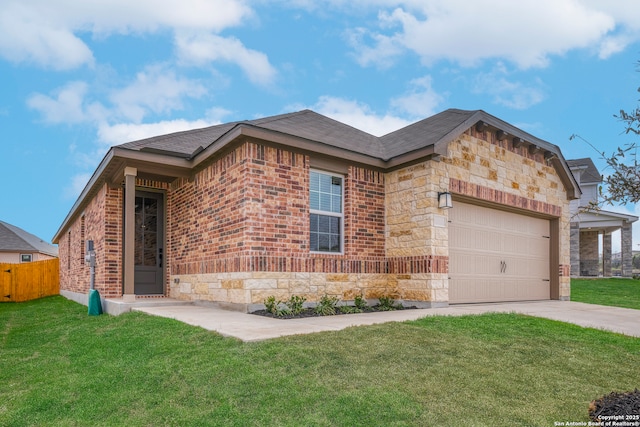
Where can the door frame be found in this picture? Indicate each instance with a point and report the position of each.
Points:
(162, 240)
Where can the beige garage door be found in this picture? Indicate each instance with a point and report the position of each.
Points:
(497, 256)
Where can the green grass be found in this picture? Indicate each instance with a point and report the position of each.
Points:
(613, 292)
(59, 366)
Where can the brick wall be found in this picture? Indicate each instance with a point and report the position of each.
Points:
(249, 211)
(364, 213)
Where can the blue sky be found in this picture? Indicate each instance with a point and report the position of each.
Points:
(79, 77)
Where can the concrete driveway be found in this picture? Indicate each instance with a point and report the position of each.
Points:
(250, 327)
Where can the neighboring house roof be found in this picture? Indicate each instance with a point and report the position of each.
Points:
(589, 171)
(15, 239)
(179, 154)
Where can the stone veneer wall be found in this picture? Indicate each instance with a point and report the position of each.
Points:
(589, 253)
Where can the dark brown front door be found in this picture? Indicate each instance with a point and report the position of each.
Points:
(149, 243)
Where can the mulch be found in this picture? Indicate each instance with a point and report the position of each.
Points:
(623, 405)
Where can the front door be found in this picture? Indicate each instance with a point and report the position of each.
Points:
(149, 244)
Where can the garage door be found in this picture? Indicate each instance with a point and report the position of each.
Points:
(497, 256)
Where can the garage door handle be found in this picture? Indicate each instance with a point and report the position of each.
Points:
(503, 267)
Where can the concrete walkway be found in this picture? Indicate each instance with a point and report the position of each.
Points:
(250, 327)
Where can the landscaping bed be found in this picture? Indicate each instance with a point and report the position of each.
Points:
(293, 308)
(311, 312)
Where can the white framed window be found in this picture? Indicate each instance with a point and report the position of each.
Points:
(326, 195)
(26, 257)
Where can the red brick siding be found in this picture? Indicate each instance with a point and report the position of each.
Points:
(277, 194)
(364, 213)
(206, 216)
(249, 211)
(74, 272)
(502, 197)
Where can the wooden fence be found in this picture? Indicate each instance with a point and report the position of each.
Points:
(32, 280)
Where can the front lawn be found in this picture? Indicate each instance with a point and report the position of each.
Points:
(59, 366)
(616, 292)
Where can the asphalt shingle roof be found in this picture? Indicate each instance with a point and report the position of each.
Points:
(312, 126)
(15, 239)
(590, 174)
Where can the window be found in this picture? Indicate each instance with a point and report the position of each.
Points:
(326, 218)
(25, 257)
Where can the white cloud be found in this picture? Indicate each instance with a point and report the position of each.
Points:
(156, 90)
(77, 184)
(421, 101)
(125, 132)
(49, 33)
(66, 107)
(358, 115)
(202, 48)
(511, 94)
(525, 32)
(27, 36)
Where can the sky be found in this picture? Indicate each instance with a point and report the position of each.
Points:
(80, 77)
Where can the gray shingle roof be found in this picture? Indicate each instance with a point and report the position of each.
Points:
(424, 133)
(15, 239)
(312, 126)
(590, 172)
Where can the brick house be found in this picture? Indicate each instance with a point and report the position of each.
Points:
(300, 204)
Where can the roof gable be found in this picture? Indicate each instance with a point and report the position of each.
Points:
(304, 124)
(426, 132)
(588, 171)
(15, 239)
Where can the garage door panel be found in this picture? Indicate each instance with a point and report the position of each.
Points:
(497, 255)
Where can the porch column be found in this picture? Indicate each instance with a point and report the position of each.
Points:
(129, 232)
(626, 248)
(574, 249)
(606, 254)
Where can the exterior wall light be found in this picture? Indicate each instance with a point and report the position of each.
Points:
(444, 200)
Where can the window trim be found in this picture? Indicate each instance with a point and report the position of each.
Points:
(23, 256)
(328, 213)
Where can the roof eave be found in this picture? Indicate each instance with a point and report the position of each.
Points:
(275, 137)
(111, 171)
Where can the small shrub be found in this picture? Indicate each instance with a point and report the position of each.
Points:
(388, 304)
(360, 303)
(326, 306)
(348, 309)
(271, 304)
(276, 307)
(295, 304)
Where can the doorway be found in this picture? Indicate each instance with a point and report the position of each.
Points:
(149, 244)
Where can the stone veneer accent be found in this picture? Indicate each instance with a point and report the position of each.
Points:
(626, 236)
(575, 249)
